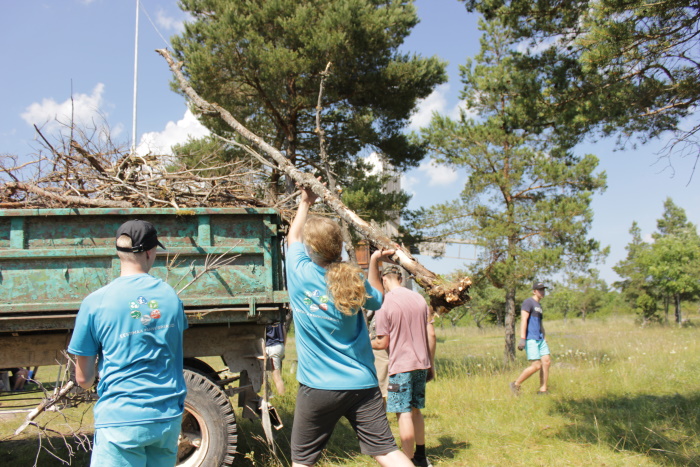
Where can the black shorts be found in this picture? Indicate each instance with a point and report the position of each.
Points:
(318, 410)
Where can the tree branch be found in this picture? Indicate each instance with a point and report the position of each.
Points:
(443, 297)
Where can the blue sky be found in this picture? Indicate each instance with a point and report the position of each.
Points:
(55, 49)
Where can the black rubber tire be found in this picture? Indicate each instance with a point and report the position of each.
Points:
(201, 367)
(208, 413)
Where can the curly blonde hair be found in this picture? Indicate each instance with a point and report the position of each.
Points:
(345, 282)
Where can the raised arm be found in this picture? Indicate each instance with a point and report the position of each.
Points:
(373, 275)
(296, 230)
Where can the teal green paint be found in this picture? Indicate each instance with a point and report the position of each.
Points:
(204, 231)
(17, 233)
(92, 252)
(134, 212)
(55, 257)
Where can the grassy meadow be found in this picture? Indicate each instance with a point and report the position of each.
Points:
(621, 395)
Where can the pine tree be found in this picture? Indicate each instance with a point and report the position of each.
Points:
(263, 61)
(527, 208)
(636, 285)
(675, 257)
(609, 66)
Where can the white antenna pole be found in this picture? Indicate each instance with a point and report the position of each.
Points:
(136, 74)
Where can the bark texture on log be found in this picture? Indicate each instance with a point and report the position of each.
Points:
(443, 296)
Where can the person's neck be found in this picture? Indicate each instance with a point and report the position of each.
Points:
(131, 269)
(536, 298)
(392, 285)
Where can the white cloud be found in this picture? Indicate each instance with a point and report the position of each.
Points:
(51, 115)
(169, 23)
(436, 102)
(438, 175)
(174, 133)
(534, 48)
(408, 184)
(374, 161)
(460, 108)
(116, 130)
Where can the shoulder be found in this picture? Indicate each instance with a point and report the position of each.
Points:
(415, 294)
(415, 297)
(166, 287)
(296, 255)
(296, 249)
(96, 297)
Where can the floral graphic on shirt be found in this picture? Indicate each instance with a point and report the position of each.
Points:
(320, 302)
(144, 310)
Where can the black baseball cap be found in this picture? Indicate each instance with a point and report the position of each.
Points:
(538, 285)
(142, 233)
(391, 270)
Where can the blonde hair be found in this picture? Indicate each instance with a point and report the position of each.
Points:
(345, 282)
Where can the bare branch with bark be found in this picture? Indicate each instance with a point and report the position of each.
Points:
(443, 296)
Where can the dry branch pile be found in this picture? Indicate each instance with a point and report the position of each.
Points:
(78, 172)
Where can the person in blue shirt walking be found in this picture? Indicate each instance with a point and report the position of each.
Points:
(133, 329)
(335, 361)
(533, 341)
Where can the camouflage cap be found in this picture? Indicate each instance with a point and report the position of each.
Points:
(392, 270)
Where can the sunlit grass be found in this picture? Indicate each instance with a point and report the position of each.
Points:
(621, 395)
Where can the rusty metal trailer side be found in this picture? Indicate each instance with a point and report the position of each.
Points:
(50, 259)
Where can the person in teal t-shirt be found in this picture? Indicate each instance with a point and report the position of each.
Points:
(133, 329)
(335, 360)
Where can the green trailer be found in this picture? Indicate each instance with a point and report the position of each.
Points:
(50, 259)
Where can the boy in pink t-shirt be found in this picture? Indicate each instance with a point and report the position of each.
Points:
(405, 328)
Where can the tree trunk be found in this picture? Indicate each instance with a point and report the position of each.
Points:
(443, 296)
(666, 305)
(677, 298)
(509, 351)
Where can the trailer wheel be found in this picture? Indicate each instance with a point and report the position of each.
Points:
(201, 367)
(208, 435)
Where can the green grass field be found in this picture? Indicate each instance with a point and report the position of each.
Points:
(622, 395)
